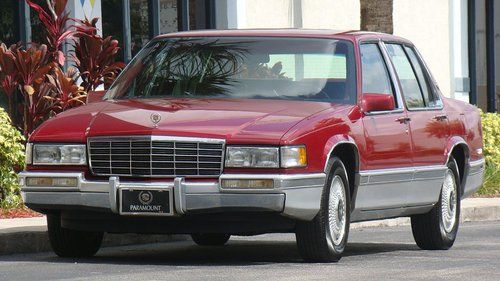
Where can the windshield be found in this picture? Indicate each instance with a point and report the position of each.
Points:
(235, 67)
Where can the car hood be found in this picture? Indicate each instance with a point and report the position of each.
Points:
(235, 120)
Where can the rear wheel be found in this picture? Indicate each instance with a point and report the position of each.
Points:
(71, 243)
(324, 238)
(210, 239)
(437, 229)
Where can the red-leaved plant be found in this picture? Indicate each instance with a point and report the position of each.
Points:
(8, 73)
(35, 73)
(94, 56)
(56, 23)
(63, 92)
(32, 67)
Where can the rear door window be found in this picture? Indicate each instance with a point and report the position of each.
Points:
(431, 98)
(412, 91)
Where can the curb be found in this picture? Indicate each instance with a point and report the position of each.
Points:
(34, 238)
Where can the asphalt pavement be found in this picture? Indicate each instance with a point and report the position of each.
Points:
(378, 253)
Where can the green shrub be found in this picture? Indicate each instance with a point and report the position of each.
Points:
(11, 159)
(491, 150)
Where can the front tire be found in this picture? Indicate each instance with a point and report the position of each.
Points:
(324, 238)
(437, 229)
(210, 239)
(69, 243)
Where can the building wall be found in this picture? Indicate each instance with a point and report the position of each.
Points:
(327, 14)
(331, 14)
(427, 24)
(265, 13)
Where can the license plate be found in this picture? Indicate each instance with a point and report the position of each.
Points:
(146, 202)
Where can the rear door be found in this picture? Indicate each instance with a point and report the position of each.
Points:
(428, 122)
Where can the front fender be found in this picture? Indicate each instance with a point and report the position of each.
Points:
(335, 141)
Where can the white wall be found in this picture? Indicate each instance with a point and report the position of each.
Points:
(331, 14)
(323, 14)
(268, 14)
(427, 24)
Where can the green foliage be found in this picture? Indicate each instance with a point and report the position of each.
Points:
(491, 137)
(491, 150)
(491, 184)
(11, 159)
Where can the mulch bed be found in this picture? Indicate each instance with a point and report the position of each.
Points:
(18, 213)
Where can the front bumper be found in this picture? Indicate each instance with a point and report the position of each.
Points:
(295, 196)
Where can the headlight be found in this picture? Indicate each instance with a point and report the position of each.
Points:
(252, 157)
(56, 154)
(266, 157)
(293, 156)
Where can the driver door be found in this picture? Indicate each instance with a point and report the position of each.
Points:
(384, 183)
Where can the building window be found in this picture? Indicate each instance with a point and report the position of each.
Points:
(9, 22)
(139, 24)
(168, 16)
(485, 61)
(112, 22)
(37, 29)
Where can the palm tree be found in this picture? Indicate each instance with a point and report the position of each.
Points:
(376, 15)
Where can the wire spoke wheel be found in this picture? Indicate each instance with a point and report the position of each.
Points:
(337, 211)
(449, 202)
(438, 228)
(324, 238)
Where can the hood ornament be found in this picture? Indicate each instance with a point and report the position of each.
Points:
(155, 118)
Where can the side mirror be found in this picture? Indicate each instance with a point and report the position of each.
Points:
(377, 102)
(95, 96)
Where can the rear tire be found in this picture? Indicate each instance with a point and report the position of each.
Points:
(69, 243)
(437, 229)
(210, 239)
(325, 237)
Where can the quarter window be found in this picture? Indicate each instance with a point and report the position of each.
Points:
(407, 78)
(375, 76)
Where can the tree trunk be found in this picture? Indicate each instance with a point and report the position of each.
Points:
(376, 15)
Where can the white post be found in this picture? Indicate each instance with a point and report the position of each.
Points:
(460, 85)
(230, 14)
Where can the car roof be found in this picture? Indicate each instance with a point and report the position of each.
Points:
(353, 35)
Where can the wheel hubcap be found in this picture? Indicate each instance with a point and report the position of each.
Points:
(449, 202)
(337, 211)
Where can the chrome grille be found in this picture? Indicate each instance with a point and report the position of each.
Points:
(155, 156)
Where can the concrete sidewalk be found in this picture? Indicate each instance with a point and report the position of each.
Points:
(29, 235)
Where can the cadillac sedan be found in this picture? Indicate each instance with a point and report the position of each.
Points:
(243, 132)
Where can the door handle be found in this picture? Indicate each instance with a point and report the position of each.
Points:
(403, 120)
(441, 117)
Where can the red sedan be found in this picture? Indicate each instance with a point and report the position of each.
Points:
(242, 132)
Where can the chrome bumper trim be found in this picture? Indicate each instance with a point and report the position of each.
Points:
(64, 199)
(477, 166)
(475, 177)
(296, 196)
